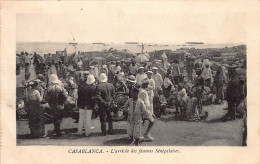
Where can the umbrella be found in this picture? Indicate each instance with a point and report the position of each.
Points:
(164, 56)
(226, 65)
(141, 58)
(147, 55)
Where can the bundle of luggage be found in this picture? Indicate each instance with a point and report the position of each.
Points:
(207, 96)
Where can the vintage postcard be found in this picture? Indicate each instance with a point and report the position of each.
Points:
(111, 81)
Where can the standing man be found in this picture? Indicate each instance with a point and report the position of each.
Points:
(105, 95)
(27, 62)
(157, 79)
(190, 65)
(56, 97)
(133, 69)
(86, 103)
(233, 95)
(118, 67)
(65, 52)
(18, 64)
(124, 67)
(176, 71)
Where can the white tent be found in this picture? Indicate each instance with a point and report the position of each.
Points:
(164, 56)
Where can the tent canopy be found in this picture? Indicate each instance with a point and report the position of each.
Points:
(164, 56)
(141, 58)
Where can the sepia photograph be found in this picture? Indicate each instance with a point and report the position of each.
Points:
(78, 83)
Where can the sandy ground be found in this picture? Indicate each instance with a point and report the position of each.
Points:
(167, 131)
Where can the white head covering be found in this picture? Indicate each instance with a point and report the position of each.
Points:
(131, 79)
(167, 82)
(103, 77)
(90, 79)
(149, 72)
(54, 78)
(118, 68)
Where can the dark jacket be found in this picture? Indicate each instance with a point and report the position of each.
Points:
(233, 93)
(86, 96)
(56, 96)
(105, 94)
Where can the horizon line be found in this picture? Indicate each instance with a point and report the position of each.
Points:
(186, 42)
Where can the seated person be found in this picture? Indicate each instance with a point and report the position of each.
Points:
(159, 103)
(120, 85)
(167, 87)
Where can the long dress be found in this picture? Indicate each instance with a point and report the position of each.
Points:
(143, 95)
(150, 91)
(136, 110)
(220, 79)
(35, 114)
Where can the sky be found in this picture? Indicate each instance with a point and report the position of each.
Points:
(118, 26)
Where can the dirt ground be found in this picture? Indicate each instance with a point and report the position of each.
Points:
(167, 131)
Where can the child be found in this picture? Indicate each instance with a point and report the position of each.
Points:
(181, 99)
(159, 102)
(136, 111)
(198, 88)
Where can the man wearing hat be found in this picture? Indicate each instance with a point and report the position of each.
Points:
(130, 83)
(86, 104)
(140, 76)
(105, 95)
(56, 97)
(157, 78)
(143, 95)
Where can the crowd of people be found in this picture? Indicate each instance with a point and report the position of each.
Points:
(94, 91)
